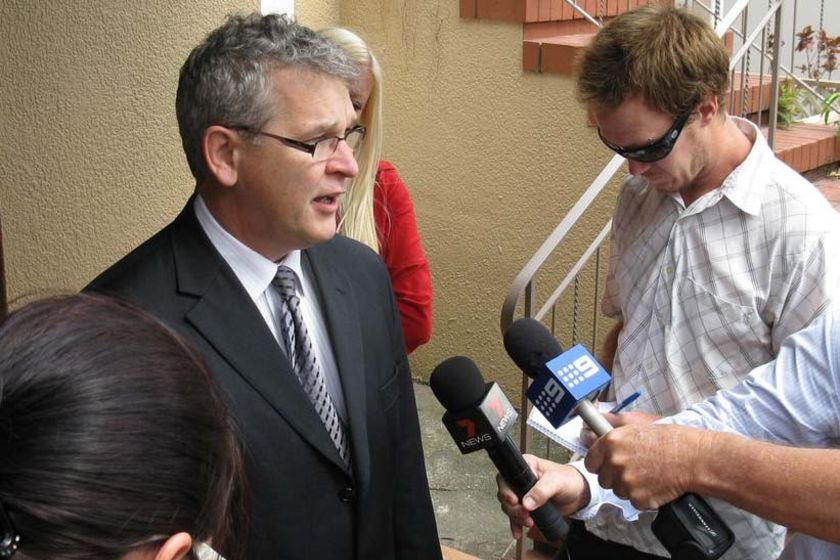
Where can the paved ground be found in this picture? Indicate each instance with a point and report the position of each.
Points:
(827, 180)
(463, 488)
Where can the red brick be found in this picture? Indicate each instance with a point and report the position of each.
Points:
(468, 8)
(545, 10)
(501, 10)
(531, 56)
(532, 10)
(558, 59)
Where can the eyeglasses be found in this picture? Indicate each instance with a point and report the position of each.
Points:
(656, 150)
(323, 148)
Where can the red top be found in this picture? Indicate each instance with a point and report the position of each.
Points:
(400, 247)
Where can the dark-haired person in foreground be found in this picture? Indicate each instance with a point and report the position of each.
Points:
(114, 442)
(791, 401)
(299, 326)
(719, 251)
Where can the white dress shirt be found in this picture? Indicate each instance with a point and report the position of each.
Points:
(794, 400)
(709, 292)
(255, 273)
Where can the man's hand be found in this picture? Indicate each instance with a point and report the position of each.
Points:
(624, 419)
(650, 464)
(562, 484)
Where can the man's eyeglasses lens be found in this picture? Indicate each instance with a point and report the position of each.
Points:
(323, 148)
(656, 150)
(326, 147)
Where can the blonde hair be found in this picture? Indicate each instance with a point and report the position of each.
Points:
(357, 221)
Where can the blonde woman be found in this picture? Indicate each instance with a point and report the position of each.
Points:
(377, 209)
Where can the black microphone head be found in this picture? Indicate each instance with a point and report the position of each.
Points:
(457, 383)
(530, 345)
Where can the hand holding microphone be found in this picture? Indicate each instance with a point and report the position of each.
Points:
(563, 384)
(479, 416)
(650, 464)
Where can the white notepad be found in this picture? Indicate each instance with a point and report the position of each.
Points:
(567, 435)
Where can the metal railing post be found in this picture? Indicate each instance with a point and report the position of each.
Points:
(774, 81)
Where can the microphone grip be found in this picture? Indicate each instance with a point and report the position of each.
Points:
(593, 418)
(516, 472)
(690, 529)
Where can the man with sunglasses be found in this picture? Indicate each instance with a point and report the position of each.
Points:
(298, 325)
(719, 251)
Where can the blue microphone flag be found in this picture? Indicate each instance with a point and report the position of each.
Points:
(571, 377)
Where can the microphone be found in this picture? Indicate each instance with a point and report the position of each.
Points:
(565, 383)
(479, 416)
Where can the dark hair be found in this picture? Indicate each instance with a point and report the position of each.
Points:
(112, 436)
(226, 79)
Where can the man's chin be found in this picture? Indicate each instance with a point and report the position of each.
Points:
(322, 236)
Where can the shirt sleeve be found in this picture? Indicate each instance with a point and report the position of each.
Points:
(810, 287)
(602, 499)
(793, 399)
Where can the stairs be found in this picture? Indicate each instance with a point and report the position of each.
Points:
(554, 33)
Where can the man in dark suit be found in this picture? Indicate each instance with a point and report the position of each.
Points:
(298, 325)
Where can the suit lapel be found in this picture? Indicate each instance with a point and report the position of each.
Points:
(342, 320)
(227, 318)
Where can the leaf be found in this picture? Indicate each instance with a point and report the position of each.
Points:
(806, 38)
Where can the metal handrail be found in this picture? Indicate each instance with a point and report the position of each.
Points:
(789, 75)
(545, 250)
(584, 14)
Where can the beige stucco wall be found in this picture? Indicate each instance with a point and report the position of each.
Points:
(91, 162)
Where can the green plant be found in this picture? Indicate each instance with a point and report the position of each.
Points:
(828, 109)
(787, 106)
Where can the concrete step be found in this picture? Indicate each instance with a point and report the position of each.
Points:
(806, 146)
(531, 11)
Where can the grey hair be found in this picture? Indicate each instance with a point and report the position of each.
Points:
(226, 79)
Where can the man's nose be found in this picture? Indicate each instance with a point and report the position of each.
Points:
(343, 161)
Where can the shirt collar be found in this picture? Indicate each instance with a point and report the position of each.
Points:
(745, 186)
(254, 271)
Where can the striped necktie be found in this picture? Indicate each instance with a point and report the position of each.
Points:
(301, 354)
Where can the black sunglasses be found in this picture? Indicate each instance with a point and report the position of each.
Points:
(656, 150)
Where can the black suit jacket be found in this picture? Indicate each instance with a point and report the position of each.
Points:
(303, 504)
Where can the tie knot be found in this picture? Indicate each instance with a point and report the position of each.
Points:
(285, 280)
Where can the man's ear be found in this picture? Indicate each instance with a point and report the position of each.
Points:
(221, 148)
(708, 108)
(176, 547)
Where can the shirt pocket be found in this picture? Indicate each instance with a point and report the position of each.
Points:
(724, 338)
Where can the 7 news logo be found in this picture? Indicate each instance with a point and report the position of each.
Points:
(471, 431)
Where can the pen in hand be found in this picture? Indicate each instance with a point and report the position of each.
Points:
(625, 403)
